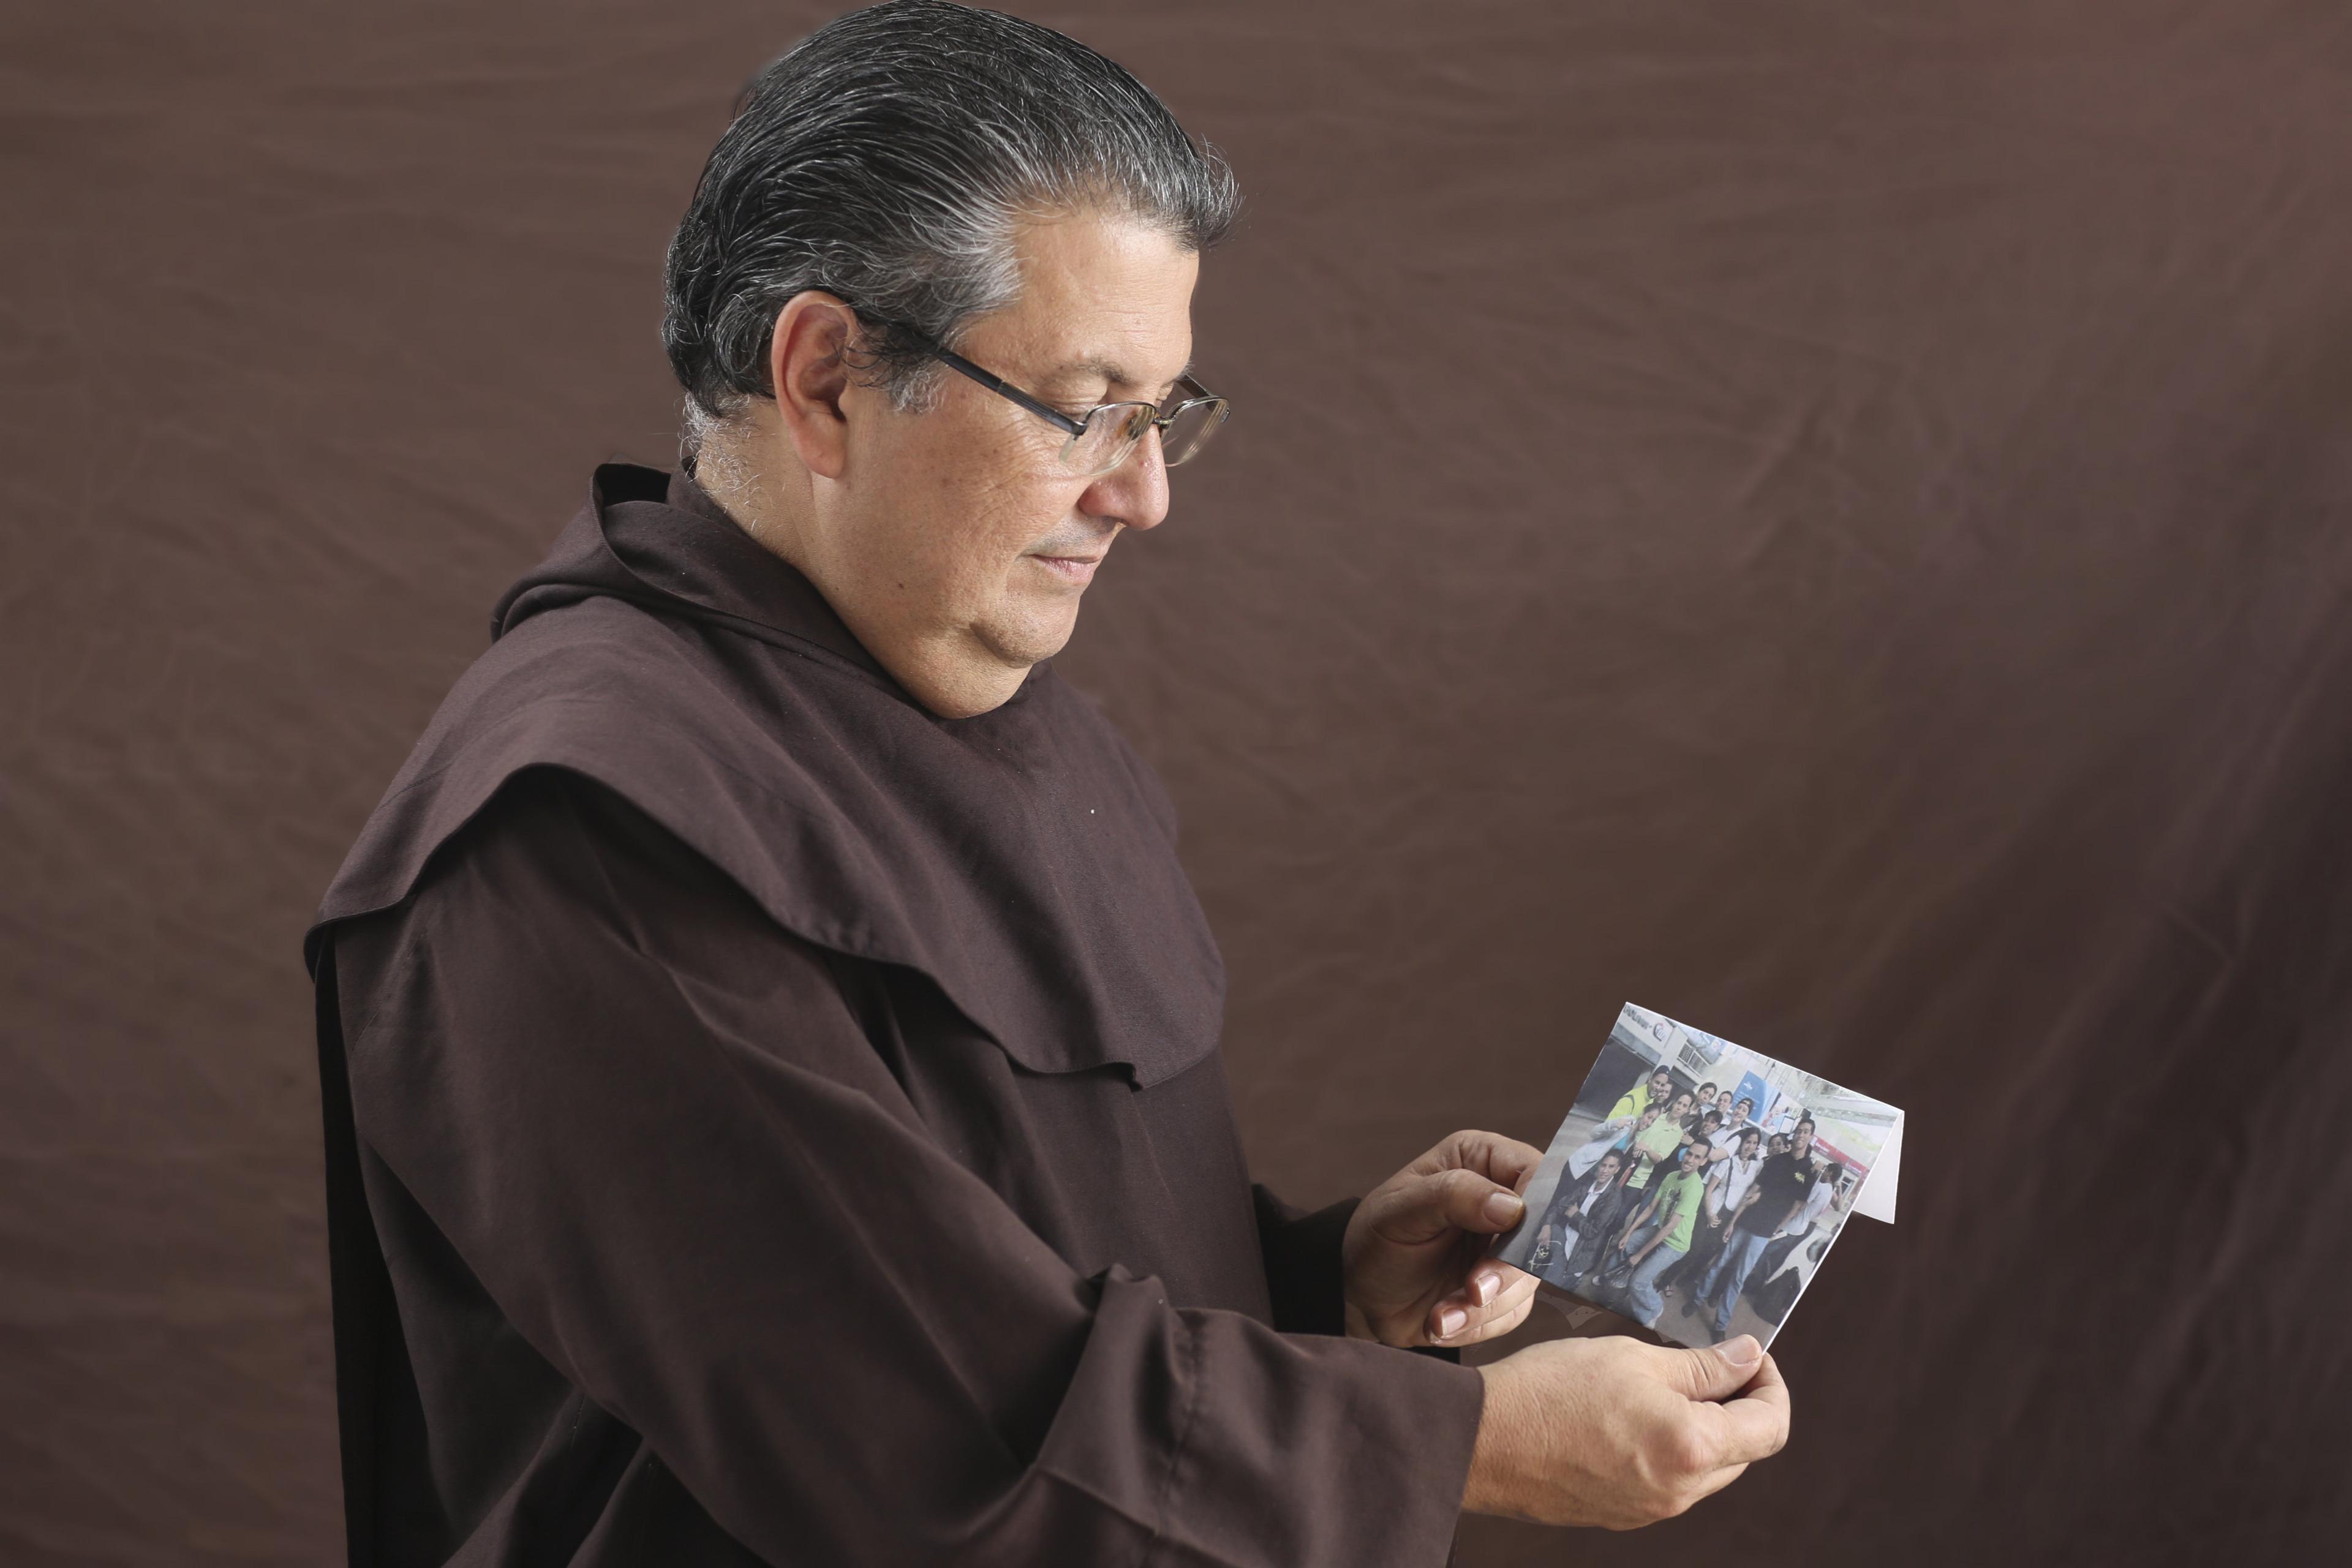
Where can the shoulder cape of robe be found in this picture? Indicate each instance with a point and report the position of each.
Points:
(1024, 859)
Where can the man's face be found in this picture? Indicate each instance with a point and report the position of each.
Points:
(958, 534)
(1693, 1156)
(1609, 1169)
(1661, 1085)
(1804, 1145)
(1723, 1102)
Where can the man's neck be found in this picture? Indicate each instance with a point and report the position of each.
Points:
(778, 510)
(724, 468)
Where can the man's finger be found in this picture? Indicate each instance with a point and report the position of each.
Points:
(1489, 1278)
(1756, 1425)
(1426, 1208)
(1482, 1287)
(1717, 1372)
(1499, 1317)
(1511, 1289)
(1472, 1203)
(1504, 1161)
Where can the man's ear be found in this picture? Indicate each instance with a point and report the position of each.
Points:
(808, 365)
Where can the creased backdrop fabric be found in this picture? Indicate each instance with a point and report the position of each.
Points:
(1827, 520)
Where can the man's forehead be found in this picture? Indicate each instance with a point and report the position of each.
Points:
(1103, 297)
(1071, 354)
(1113, 369)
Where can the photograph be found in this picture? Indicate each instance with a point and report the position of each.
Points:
(1695, 1185)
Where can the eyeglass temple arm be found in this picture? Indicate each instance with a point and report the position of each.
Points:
(1006, 389)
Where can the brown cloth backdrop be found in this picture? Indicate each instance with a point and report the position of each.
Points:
(1832, 521)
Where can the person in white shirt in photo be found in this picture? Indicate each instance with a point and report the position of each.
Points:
(1817, 1202)
(1728, 1182)
(1739, 1117)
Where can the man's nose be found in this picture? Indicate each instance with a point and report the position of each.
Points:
(1136, 492)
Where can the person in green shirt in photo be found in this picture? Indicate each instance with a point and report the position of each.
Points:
(1667, 1219)
(1657, 1136)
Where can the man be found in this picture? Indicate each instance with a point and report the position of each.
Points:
(1775, 1279)
(1658, 1088)
(1616, 1129)
(1775, 1196)
(1728, 1173)
(1794, 1230)
(1664, 1224)
(769, 1046)
(1817, 1202)
(1583, 1214)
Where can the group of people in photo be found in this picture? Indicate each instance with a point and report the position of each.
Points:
(1684, 1191)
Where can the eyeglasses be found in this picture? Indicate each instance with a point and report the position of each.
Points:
(1105, 436)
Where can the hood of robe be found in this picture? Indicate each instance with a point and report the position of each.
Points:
(1024, 859)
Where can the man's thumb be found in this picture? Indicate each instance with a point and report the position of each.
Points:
(1717, 1372)
(1468, 1201)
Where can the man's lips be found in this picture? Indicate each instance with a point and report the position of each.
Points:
(1071, 568)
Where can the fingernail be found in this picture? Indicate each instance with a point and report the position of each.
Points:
(1482, 1288)
(1742, 1353)
(1450, 1321)
(1502, 1208)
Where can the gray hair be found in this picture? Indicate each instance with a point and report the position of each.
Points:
(888, 159)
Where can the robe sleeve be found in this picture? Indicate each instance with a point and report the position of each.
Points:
(645, 1117)
(1303, 1274)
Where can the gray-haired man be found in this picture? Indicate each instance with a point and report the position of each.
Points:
(774, 1111)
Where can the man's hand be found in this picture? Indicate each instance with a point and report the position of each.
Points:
(1620, 1434)
(1414, 1254)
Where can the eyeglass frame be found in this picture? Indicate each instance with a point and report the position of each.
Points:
(1075, 427)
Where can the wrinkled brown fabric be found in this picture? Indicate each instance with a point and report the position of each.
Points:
(712, 1185)
(1834, 520)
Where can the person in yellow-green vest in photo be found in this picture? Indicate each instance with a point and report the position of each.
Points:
(1656, 1088)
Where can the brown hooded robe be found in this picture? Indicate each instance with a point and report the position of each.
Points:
(769, 1122)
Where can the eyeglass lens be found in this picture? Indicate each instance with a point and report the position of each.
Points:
(1111, 435)
(1191, 430)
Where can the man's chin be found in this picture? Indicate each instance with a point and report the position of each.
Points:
(1023, 640)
